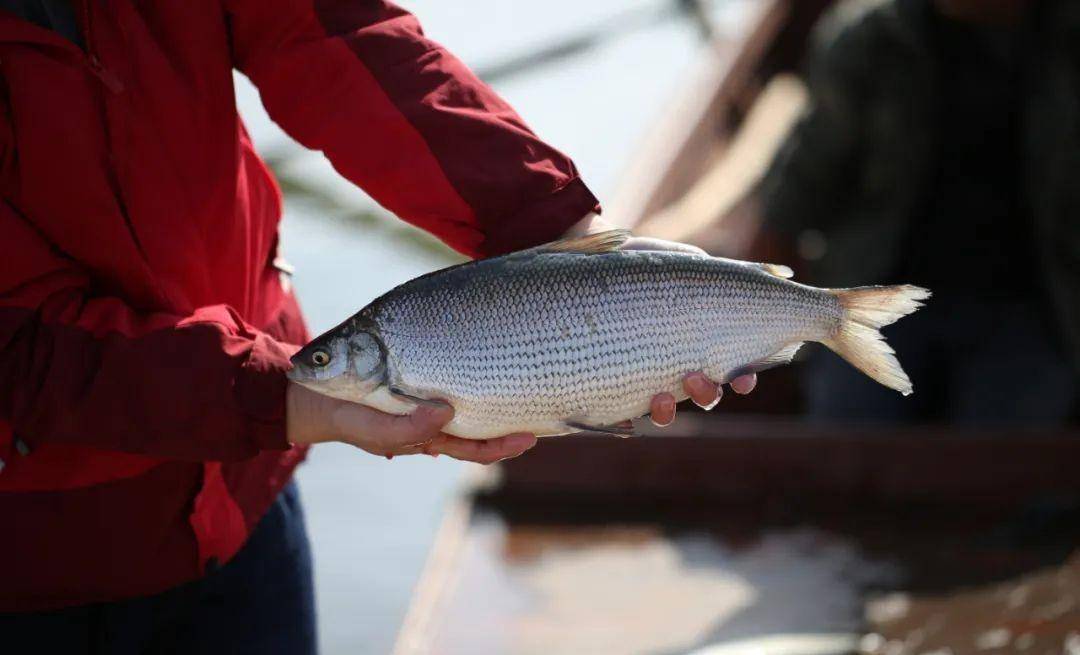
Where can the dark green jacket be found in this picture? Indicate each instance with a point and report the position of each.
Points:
(856, 167)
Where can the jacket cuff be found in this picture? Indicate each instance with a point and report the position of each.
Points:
(543, 221)
(260, 388)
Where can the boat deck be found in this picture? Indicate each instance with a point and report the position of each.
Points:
(775, 538)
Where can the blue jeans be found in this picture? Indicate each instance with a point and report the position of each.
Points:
(260, 602)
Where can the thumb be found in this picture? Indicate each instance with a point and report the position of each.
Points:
(663, 245)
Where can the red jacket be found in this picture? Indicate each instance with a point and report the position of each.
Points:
(143, 327)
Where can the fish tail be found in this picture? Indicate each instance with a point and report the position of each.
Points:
(857, 340)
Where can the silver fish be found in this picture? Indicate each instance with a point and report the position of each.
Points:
(579, 335)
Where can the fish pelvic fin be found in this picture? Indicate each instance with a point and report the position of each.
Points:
(624, 429)
(401, 394)
(857, 340)
(589, 244)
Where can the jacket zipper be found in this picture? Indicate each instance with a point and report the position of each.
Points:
(107, 77)
(112, 83)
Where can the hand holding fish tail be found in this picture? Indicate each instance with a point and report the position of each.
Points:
(704, 392)
(315, 418)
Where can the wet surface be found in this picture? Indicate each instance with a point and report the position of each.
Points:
(715, 581)
(1033, 613)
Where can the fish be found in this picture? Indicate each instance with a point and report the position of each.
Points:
(579, 335)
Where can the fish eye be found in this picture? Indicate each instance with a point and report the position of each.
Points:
(320, 358)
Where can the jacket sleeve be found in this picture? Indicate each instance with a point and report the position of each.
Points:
(814, 171)
(406, 121)
(81, 368)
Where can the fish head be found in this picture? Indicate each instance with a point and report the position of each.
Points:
(343, 363)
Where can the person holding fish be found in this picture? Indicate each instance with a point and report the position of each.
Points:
(411, 425)
(148, 431)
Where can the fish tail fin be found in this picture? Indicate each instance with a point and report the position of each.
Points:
(865, 310)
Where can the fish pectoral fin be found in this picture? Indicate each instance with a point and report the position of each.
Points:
(778, 358)
(624, 429)
(589, 244)
(398, 393)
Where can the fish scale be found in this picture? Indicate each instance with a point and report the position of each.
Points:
(528, 345)
(580, 334)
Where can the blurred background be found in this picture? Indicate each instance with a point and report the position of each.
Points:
(932, 142)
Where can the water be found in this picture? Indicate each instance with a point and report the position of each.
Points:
(692, 576)
(648, 588)
(372, 520)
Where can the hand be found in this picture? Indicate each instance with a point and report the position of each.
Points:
(650, 243)
(313, 418)
(593, 223)
(704, 392)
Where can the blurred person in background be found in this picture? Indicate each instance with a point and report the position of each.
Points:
(941, 147)
(148, 434)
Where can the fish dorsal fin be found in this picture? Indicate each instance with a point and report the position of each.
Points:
(779, 270)
(589, 244)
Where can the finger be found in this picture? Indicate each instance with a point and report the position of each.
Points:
(485, 451)
(704, 392)
(662, 409)
(392, 433)
(744, 384)
(414, 449)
